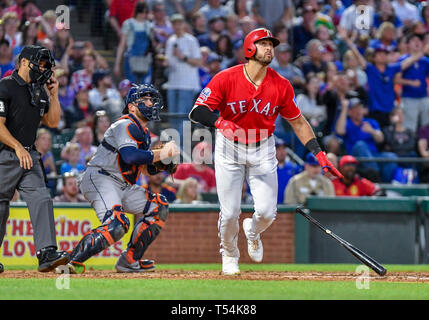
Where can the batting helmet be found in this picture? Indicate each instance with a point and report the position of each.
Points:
(256, 35)
(139, 91)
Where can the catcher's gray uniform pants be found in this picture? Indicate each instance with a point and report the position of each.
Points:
(104, 192)
(32, 188)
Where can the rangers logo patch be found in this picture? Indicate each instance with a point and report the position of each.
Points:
(2, 106)
(205, 94)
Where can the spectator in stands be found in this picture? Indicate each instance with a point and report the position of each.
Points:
(11, 24)
(188, 192)
(425, 15)
(89, 64)
(415, 99)
(423, 149)
(309, 102)
(225, 49)
(62, 42)
(241, 8)
(361, 136)
(352, 185)
(313, 61)
(155, 184)
(238, 54)
(216, 27)
(136, 47)
(350, 63)
(380, 79)
(199, 24)
(183, 58)
(269, 12)
(350, 18)
(48, 25)
(233, 29)
(214, 8)
(162, 27)
(82, 111)
(101, 124)
(20, 6)
(70, 190)
(332, 98)
(282, 64)
(386, 13)
(408, 13)
(103, 95)
(247, 24)
(71, 159)
(119, 11)
(399, 139)
(285, 168)
(213, 67)
(43, 145)
(85, 139)
(303, 32)
(310, 182)
(29, 36)
(6, 63)
(123, 87)
(198, 169)
(65, 92)
(386, 37)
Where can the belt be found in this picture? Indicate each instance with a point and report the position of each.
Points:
(253, 144)
(5, 147)
(108, 146)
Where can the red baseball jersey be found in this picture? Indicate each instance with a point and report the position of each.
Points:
(254, 110)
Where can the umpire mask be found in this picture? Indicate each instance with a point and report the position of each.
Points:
(41, 63)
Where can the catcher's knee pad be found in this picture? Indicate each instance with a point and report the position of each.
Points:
(115, 225)
(147, 229)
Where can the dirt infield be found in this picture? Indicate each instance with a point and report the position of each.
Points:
(421, 277)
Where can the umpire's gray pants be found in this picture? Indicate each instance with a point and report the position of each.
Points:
(32, 188)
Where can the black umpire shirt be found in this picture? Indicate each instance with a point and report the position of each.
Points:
(23, 105)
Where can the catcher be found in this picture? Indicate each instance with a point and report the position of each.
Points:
(109, 184)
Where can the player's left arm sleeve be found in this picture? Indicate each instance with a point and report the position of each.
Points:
(132, 155)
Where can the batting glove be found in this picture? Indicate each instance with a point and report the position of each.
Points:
(327, 166)
(226, 127)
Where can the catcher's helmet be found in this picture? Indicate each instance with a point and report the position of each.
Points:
(256, 35)
(139, 91)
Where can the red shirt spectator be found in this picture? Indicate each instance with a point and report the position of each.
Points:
(122, 9)
(358, 188)
(198, 169)
(206, 176)
(352, 185)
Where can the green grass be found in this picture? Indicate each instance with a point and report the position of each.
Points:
(234, 289)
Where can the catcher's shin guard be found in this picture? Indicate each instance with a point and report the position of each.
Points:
(113, 229)
(147, 229)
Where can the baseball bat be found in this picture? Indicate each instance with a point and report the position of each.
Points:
(363, 257)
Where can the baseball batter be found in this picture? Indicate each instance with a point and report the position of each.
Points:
(249, 97)
(109, 183)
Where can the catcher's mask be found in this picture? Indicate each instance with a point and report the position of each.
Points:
(41, 63)
(135, 95)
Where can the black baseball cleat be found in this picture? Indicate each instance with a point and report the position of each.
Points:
(1, 268)
(50, 258)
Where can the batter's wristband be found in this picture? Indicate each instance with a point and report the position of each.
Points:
(313, 146)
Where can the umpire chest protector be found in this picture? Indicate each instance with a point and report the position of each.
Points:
(23, 105)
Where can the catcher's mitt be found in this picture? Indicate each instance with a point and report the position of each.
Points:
(167, 165)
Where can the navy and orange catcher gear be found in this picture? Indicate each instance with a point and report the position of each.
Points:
(137, 92)
(254, 36)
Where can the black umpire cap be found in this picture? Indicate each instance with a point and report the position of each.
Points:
(29, 52)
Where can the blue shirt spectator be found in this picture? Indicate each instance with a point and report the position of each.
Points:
(418, 71)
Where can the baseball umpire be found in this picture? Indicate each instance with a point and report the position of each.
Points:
(109, 184)
(28, 96)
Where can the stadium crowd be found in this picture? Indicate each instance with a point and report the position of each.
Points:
(360, 78)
